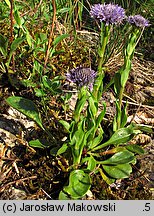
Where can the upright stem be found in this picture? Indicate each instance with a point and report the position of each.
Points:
(124, 74)
(104, 36)
(104, 39)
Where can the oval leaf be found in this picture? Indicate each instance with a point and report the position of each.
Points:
(135, 148)
(122, 135)
(58, 39)
(62, 149)
(120, 158)
(38, 144)
(27, 107)
(118, 171)
(91, 163)
(65, 124)
(15, 44)
(79, 184)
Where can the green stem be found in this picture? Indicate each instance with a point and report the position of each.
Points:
(104, 36)
(101, 146)
(124, 73)
(105, 31)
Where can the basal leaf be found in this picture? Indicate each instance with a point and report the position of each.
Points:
(79, 184)
(27, 107)
(135, 148)
(91, 163)
(65, 124)
(145, 128)
(59, 38)
(64, 196)
(105, 177)
(120, 158)
(118, 171)
(122, 135)
(62, 149)
(15, 44)
(39, 144)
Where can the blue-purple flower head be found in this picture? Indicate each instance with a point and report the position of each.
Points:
(82, 77)
(108, 13)
(138, 20)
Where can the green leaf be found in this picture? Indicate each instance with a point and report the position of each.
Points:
(118, 171)
(97, 140)
(39, 144)
(28, 38)
(3, 45)
(145, 128)
(115, 126)
(132, 43)
(91, 163)
(117, 118)
(124, 116)
(93, 106)
(8, 3)
(117, 84)
(15, 44)
(63, 10)
(58, 39)
(79, 107)
(105, 177)
(43, 37)
(125, 73)
(79, 184)
(52, 85)
(135, 148)
(17, 17)
(65, 124)
(101, 115)
(62, 149)
(27, 107)
(122, 135)
(77, 143)
(63, 196)
(39, 92)
(120, 158)
(46, 82)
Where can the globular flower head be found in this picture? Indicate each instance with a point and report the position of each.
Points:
(108, 13)
(82, 77)
(138, 20)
